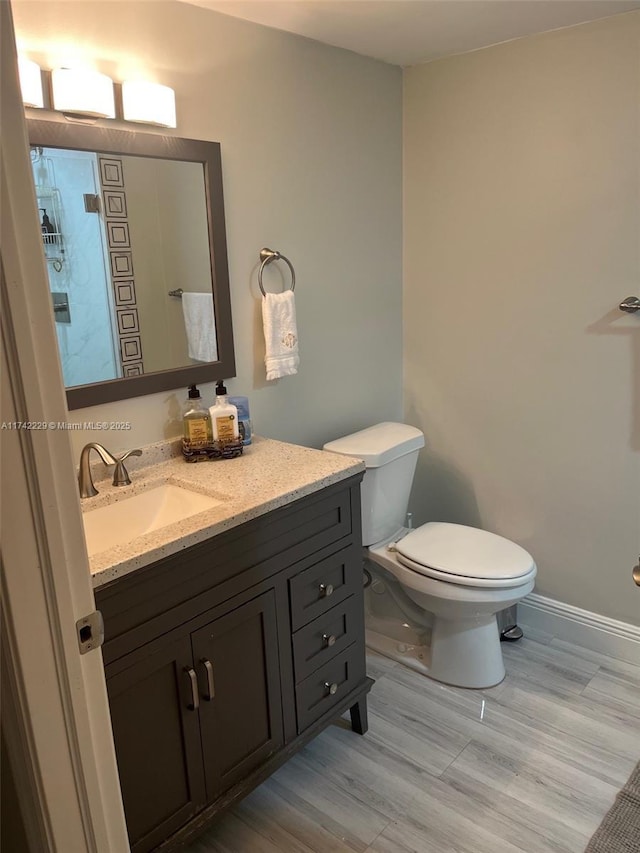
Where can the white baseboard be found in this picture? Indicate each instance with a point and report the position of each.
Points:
(608, 636)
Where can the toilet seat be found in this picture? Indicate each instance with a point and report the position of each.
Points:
(467, 556)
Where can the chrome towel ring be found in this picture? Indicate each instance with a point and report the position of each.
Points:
(268, 255)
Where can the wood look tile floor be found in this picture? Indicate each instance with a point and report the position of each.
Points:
(529, 766)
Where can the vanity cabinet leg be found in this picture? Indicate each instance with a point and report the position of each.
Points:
(358, 712)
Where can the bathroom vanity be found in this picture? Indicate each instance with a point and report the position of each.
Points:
(232, 637)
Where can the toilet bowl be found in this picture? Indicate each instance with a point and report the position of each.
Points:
(444, 583)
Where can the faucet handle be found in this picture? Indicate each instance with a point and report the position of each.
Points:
(127, 454)
(121, 475)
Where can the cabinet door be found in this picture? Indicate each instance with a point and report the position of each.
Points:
(236, 657)
(157, 739)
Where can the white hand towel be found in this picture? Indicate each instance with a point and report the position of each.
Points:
(200, 326)
(280, 334)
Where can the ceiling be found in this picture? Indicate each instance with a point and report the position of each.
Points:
(407, 32)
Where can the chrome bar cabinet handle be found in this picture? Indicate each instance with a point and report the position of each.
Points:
(193, 680)
(211, 687)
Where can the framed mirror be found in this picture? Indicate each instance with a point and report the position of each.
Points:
(133, 231)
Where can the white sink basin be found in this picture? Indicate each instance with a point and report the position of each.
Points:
(130, 517)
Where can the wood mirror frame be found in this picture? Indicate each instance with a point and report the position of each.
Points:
(50, 134)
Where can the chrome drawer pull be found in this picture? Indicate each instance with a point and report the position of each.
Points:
(193, 679)
(328, 640)
(631, 304)
(211, 688)
(330, 688)
(326, 589)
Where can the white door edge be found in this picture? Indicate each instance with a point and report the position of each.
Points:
(60, 700)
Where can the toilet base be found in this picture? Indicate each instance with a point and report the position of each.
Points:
(448, 633)
(412, 655)
(466, 655)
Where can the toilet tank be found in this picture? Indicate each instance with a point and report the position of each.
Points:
(390, 453)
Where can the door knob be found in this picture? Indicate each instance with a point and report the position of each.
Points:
(635, 574)
(631, 304)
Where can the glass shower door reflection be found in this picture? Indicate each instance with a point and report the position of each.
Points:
(75, 247)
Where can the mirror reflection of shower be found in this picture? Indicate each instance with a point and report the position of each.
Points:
(75, 248)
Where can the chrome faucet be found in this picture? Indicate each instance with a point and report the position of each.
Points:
(120, 474)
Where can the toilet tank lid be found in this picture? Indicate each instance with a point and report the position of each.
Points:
(379, 444)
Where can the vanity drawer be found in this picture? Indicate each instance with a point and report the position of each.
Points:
(327, 636)
(323, 585)
(318, 693)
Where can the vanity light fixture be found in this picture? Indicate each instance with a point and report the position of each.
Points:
(149, 103)
(82, 92)
(30, 83)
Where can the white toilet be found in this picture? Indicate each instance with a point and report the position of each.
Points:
(435, 590)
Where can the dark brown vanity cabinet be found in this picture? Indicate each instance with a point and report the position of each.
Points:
(193, 713)
(157, 739)
(224, 660)
(238, 679)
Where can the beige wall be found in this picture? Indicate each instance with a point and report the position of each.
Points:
(311, 155)
(522, 226)
(522, 219)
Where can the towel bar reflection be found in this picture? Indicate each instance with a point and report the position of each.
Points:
(178, 293)
(269, 255)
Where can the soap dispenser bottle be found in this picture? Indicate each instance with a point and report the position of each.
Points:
(197, 437)
(224, 417)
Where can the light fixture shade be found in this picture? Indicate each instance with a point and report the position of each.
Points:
(150, 103)
(83, 92)
(30, 83)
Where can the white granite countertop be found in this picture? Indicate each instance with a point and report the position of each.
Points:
(268, 475)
